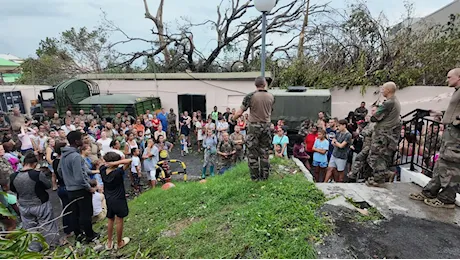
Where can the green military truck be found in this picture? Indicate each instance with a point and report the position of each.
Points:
(81, 94)
(297, 104)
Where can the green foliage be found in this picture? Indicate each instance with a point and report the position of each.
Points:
(363, 51)
(373, 215)
(4, 210)
(15, 245)
(75, 51)
(229, 216)
(45, 70)
(79, 251)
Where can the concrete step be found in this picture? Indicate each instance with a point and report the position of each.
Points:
(391, 201)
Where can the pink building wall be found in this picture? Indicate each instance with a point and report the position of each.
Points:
(222, 94)
(225, 94)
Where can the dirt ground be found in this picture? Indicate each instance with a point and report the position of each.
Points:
(399, 237)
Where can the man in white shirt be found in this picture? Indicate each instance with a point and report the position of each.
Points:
(68, 127)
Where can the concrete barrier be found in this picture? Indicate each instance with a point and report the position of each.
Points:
(420, 179)
(302, 167)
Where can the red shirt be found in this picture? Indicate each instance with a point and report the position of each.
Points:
(156, 123)
(310, 141)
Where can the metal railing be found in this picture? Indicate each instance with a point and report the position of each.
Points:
(419, 143)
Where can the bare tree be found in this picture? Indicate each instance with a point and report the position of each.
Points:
(302, 31)
(158, 21)
(280, 21)
(234, 27)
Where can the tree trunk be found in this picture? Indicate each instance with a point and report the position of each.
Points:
(302, 31)
(158, 21)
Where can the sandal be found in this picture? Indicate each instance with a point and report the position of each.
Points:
(372, 183)
(125, 241)
(418, 196)
(109, 247)
(438, 204)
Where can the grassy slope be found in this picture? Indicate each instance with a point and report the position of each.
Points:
(229, 216)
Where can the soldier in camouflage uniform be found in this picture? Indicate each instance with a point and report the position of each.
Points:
(385, 137)
(431, 143)
(360, 166)
(259, 138)
(172, 127)
(238, 140)
(441, 191)
(226, 151)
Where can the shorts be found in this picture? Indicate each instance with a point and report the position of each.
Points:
(23, 152)
(117, 207)
(185, 130)
(151, 175)
(320, 164)
(338, 163)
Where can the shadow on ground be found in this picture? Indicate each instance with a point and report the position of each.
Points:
(400, 237)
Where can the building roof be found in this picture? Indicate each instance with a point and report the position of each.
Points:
(112, 99)
(174, 76)
(10, 77)
(442, 15)
(7, 63)
(438, 17)
(11, 58)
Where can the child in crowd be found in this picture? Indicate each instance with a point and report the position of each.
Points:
(12, 207)
(114, 190)
(183, 145)
(320, 148)
(300, 153)
(278, 151)
(99, 204)
(97, 176)
(136, 169)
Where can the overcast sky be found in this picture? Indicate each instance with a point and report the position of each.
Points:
(26, 22)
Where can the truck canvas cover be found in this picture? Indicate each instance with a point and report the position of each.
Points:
(299, 104)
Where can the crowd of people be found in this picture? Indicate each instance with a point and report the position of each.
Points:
(89, 157)
(330, 147)
(84, 155)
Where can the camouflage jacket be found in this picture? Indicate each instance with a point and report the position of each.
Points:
(225, 147)
(366, 134)
(171, 119)
(5, 171)
(237, 137)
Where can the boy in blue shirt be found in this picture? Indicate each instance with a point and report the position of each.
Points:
(320, 149)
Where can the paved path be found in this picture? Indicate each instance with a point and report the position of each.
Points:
(410, 229)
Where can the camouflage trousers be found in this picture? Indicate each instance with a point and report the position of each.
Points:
(384, 144)
(225, 164)
(258, 143)
(360, 168)
(445, 182)
(171, 132)
(209, 159)
(239, 155)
